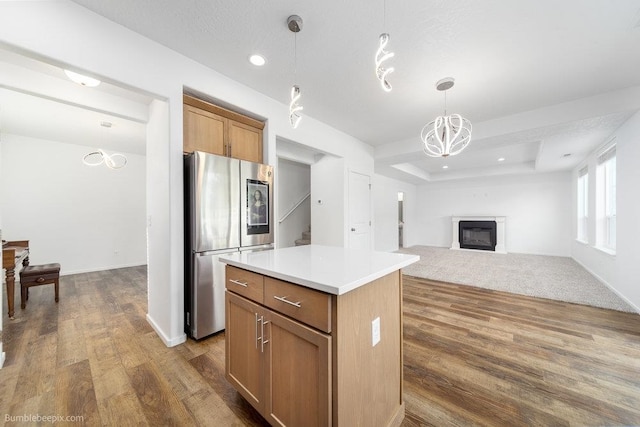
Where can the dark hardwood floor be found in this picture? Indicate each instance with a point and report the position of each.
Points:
(472, 357)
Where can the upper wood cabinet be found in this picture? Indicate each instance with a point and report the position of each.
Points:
(216, 130)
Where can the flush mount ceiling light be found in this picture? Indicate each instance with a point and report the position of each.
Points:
(501, 159)
(382, 55)
(294, 23)
(81, 79)
(257, 60)
(96, 158)
(446, 135)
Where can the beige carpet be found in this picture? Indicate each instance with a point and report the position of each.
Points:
(558, 278)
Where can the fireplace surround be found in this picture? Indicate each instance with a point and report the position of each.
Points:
(481, 233)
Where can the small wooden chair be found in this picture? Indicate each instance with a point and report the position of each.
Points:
(36, 275)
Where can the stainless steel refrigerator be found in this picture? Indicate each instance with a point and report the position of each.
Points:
(228, 208)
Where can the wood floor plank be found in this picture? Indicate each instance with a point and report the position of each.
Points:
(37, 374)
(75, 395)
(71, 345)
(122, 409)
(160, 407)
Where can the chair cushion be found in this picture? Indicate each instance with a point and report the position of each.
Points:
(43, 270)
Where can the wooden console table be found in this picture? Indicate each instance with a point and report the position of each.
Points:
(13, 253)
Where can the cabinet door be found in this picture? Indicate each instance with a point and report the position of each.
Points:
(298, 372)
(245, 142)
(203, 131)
(244, 360)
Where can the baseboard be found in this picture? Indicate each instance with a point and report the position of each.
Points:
(91, 270)
(3, 356)
(166, 340)
(604, 282)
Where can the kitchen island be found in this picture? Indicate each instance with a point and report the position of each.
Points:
(314, 334)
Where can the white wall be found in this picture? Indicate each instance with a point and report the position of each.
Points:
(293, 183)
(537, 209)
(85, 218)
(113, 53)
(385, 222)
(621, 271)
(628, 210)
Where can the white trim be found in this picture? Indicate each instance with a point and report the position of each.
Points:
(166, 340)
(91, 270)
(3, 356)
(500, 231)
(608, 251)
(604, 282)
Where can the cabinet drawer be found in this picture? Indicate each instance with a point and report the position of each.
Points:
(245, 283)
(303, 304)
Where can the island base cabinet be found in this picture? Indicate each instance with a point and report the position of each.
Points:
(244, 361)
(299, 374)
(280, 366)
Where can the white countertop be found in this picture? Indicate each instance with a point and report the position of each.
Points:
(334, 270)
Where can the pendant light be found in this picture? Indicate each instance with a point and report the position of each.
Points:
(96, 158)
(294, 23)
(382, 55)
(446, 135)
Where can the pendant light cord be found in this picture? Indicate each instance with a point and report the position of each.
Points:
(445, 102)
(384, 15)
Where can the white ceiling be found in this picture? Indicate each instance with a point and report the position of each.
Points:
(538, 79)
(38, 100)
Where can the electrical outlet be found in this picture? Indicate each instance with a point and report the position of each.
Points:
(375, 331)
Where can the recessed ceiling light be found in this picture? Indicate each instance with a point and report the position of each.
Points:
(445, 167)
(501, 159)
(257, 60)
(82, 80)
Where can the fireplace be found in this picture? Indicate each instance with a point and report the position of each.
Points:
(477, 235)
(493, 242)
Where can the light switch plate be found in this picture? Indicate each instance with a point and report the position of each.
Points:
(375, 331)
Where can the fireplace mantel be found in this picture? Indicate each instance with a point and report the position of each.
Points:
(500, 247)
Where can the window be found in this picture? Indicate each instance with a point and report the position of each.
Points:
(606, 199)
(583, 204)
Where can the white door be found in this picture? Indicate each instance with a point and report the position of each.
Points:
(359, 211)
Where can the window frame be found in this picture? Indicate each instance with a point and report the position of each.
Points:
(606, 199)
(582, 214)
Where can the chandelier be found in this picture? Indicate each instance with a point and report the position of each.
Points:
(446, 135)
(294, 23)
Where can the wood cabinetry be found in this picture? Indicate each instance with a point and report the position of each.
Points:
(281, 366)
(305, 357)
(216, 130)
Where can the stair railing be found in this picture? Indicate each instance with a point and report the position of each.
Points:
(290, 211)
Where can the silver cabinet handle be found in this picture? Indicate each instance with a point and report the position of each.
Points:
(263, 341)
(257, 337)
(284, 299)
(237, 282)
